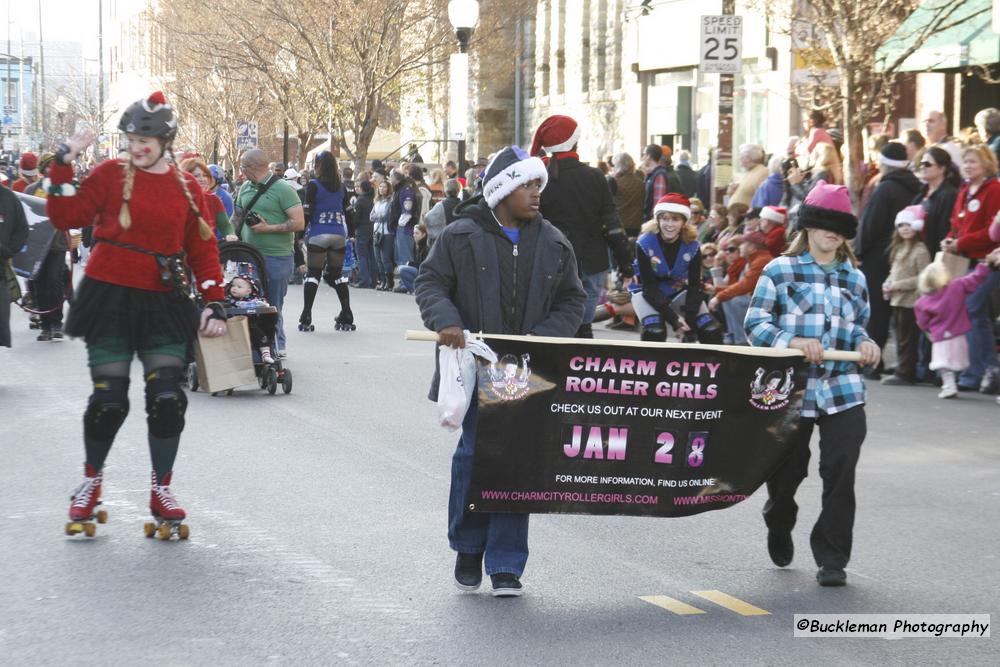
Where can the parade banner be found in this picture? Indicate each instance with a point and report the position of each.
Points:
(630, 428)
(40, 232)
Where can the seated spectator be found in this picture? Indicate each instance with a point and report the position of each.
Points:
(772, 191)
(772, 225)
(735, 298)
(408, 272)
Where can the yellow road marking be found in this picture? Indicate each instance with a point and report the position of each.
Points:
(731, 603)
(670, 604)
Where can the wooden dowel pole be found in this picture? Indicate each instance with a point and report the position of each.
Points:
(829, 355)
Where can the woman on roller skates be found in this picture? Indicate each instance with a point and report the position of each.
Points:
(326, 241)
(147, 214)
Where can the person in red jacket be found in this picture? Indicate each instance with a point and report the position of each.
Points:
(735, 297)
(772, 224)
(28, 166)
(147, 216)
(977, 204)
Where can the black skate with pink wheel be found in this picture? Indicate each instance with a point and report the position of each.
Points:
(168, 516)
(83, 513)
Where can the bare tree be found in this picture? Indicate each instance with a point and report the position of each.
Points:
(868, 49)
(338, 66)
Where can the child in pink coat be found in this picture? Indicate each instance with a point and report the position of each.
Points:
(941, 312)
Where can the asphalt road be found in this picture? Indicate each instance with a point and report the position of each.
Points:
(318, 532)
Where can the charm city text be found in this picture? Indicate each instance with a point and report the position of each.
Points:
(674, 387)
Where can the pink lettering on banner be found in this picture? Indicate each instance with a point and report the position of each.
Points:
(594, 448)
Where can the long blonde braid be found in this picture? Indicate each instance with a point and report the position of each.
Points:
(203, 227)
(124, 217)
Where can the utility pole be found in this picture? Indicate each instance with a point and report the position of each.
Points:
(100, 79)
(723, 163)
(41, 60)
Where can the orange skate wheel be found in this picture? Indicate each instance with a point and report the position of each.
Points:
(148, 529)
(69, 529)
(163, 532)
(89, 529)
(102, 516)
(183, 531)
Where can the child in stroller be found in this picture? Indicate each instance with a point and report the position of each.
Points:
(244, 292)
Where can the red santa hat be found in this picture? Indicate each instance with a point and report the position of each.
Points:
(29, 164)
(556, 134)
(673, 202)
(775, 214)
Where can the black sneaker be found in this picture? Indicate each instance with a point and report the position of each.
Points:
(831, 576)
(991, 381)
(57, 332)
(469, 571)
(896, 381)
(780, 547)
(506, 585)
(44, 335)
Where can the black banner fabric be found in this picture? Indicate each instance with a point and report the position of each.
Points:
(40, 232)
(591, 428)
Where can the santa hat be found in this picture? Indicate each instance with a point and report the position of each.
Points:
(673, 203)
(893, 154)
(509, 169)
(556, 134)
(913, 216)
(775, 214)
(829, 207)
(29, 164)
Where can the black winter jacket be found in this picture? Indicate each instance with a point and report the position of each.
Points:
(472, 279)
(878, 221)
(13, 224)
(688, 180)
(578, 202)
(938, 208)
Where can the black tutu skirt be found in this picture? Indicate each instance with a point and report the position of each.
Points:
(104, 310)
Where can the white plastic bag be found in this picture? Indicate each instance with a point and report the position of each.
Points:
(458, 369)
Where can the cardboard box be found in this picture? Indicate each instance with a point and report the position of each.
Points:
(225, 362)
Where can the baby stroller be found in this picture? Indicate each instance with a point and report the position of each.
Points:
(242, 260)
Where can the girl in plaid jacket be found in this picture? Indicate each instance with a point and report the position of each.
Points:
(814, 298)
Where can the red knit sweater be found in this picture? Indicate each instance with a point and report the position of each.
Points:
(162, 222)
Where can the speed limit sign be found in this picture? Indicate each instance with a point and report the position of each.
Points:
(721, 44)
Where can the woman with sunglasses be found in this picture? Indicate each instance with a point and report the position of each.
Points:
(937, 197)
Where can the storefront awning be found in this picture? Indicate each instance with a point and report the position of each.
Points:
(971, 42)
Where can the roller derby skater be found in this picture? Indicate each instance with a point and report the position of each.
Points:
(135, 299)
(326, 242)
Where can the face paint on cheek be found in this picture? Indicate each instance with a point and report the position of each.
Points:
(147, 150)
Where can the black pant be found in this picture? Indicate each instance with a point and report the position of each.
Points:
(907, 342)
(840, 438)
(50, 288)
(877, 273)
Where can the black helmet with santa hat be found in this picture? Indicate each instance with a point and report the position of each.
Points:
(150, 117)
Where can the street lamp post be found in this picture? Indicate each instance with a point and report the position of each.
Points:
(463, 15)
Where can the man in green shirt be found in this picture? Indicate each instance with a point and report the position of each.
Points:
(280, 216)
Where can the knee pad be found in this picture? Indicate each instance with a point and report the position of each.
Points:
(709, 330)
(342, 280)
(165, 402)
(107, 408)
(653, 329)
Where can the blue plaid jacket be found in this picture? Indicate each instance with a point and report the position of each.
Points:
(796, 297)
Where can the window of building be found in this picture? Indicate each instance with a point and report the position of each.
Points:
(616, 45)
(585, 47)
(560, 23)
(601, 44)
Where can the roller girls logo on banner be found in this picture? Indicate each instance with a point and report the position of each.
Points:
(771, 392)
(650, 430)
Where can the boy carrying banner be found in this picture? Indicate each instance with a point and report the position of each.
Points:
(500, 268)
(814, 298)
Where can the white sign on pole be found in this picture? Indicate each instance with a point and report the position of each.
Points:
(8, 143)
(247, 135)
(721, 44)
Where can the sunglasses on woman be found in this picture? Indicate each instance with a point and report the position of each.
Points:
(732, 249)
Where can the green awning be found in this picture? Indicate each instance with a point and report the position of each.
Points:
(971, 42)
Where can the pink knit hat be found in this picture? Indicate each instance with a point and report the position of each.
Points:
(913, 216)
(829, 207)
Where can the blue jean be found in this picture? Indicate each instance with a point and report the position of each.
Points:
(735, 310)
(982, 346)
(366, 261)
(384, 254)
(279, 271)
(404, 248)
(593, 285)
(503, 537)
(407, 274)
